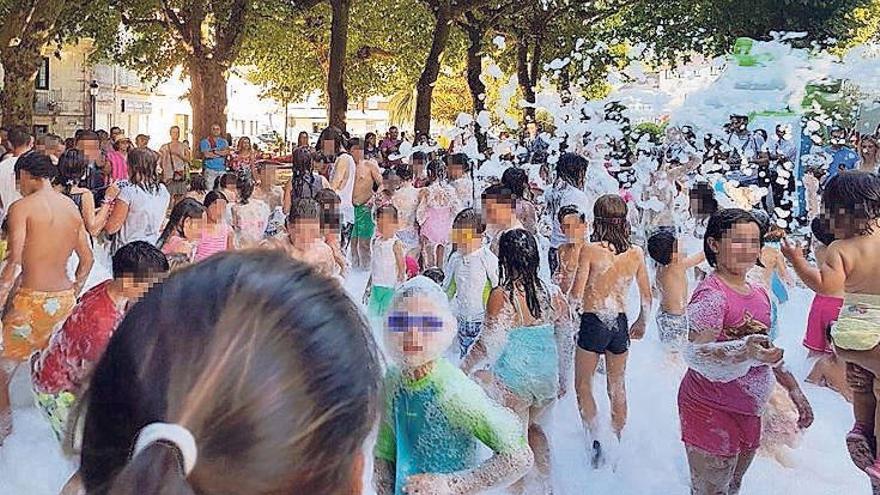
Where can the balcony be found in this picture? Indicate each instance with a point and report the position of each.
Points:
(47, 102)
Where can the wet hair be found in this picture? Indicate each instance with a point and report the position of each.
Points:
(355, 143)
(226, 180)
(498, 193)
(386, 210)
(185, 209)
(139, 260)
(404, 171)
(18, 137)
(214, 196)
(460, 159)
(570, 210)
(245, 188)
(301, 172)
(705, 196)
(330, 134)
(469, 219)
(661, 245)
(720, 224)
(198, 184)
(142, 170)
(517, 180)
(518, 261)
(610, 224)
(38, 165)
(72, 167)
(304, 209)
(329, 202)
(268, 367)
(854, 194)
(434, 274)
(436, 171)
(571, 168)
(822, 230)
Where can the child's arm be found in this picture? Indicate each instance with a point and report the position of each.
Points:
(576, 296)
(383, 476)
(493, 337)
(694, 260)
(368, 289)
(829, 278)
(401, 261)
(782, 269)
(565, 330)
(644, 283)
(385, 454)
(790, 384)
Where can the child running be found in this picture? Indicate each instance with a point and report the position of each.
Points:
(388, 269)
(573, 224)
(302, 239)
(265, 382)
(471, 272)
(852, 202)
(437, 201)
(434, 414)
(731, 360)
(606, 268)
(180, 238)
(526, 343)
(671, 279)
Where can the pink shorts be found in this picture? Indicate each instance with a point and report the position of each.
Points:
(717, 432)
(823, 314)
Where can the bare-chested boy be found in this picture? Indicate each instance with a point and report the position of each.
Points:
(45, 228)
(607, 267)
(303, 240)
(367, 178)
(672, 284)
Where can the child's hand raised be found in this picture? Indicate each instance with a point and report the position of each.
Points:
(792, 250)
(759, 348)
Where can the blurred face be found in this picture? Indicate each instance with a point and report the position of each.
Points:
(27, 184)
(124, 145)
(175, 134)
(142, 141)
(574, 228)
(465, 235)
(302, 140)
(215, 130)
(416, 333)
(455, 171)
(217, 210)
(738, 249)
(388, 225)
(133, 289)
(393, 133)
(532, 128)
(497, 212)
(90, 148)
(328, 146)
(869, 148)
(192, 227)
(357, 152)
(304, 231)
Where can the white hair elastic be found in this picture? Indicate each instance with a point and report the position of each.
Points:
(172, 433)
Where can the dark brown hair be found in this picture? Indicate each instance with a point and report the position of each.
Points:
(610, 224)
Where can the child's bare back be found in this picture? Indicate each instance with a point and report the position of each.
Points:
(608, 276)
(859, 258)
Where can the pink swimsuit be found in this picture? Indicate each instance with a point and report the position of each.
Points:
(823, 314)
(724, 418)
(209, 245)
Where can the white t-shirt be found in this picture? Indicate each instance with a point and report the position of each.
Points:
(384, 262)
(346, 207)
(8, 190)
(146, 213)
(469, 273)
(556, 199)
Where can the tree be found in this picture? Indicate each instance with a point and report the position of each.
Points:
(28, 27)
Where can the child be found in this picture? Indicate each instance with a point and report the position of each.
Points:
(406, 200)
(435, 274)
(437, 201)
(302, 239)
(435, 414)
(250, 216)
(568, 189)
(180, 238)
(517, 180)
(461, 180)
(387, 264)
(673, 265)
(852, 202)
(198, 188)
(471, 272)
(731, 360)
(261, 342)
(499, 210)
(527, 342)
(217, 235)
(573, 224)
(606, 268)
(330, 228)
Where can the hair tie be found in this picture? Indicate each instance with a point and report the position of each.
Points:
(173, 433)
(611, 220)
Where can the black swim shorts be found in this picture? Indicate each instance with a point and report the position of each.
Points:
(596, 336)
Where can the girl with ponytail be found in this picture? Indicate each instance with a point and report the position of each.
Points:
(73, 167)
(266, 382)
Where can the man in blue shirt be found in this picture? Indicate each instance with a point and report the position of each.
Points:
(842, 157)
(214, 149)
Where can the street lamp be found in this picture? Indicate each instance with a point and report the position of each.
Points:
(93, 96)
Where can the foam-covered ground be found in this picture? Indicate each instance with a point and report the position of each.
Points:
(649, 460)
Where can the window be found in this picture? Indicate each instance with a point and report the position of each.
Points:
(42, 80)
(40, 130)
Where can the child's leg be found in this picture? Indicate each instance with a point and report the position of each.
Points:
(441, 255)
(364, 252)
(585, 363)
(743, 461)
(710, 474)
(7, 370)
(864, 407)
(616, 377)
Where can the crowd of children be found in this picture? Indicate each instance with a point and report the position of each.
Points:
(241, 389)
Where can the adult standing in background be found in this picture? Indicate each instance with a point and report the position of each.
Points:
(175, 158)
(118, 158)
(390, 146)
(19, 143)
(244, 161)
(215, 149)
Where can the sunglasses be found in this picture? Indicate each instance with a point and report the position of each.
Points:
(401, 322)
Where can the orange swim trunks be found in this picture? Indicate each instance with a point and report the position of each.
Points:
(28, 325)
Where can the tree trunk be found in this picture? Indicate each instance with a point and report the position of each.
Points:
(336, 94)
(474, 71)
(524, 78)
(207, 96)
(20, 67)
(425, 85)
